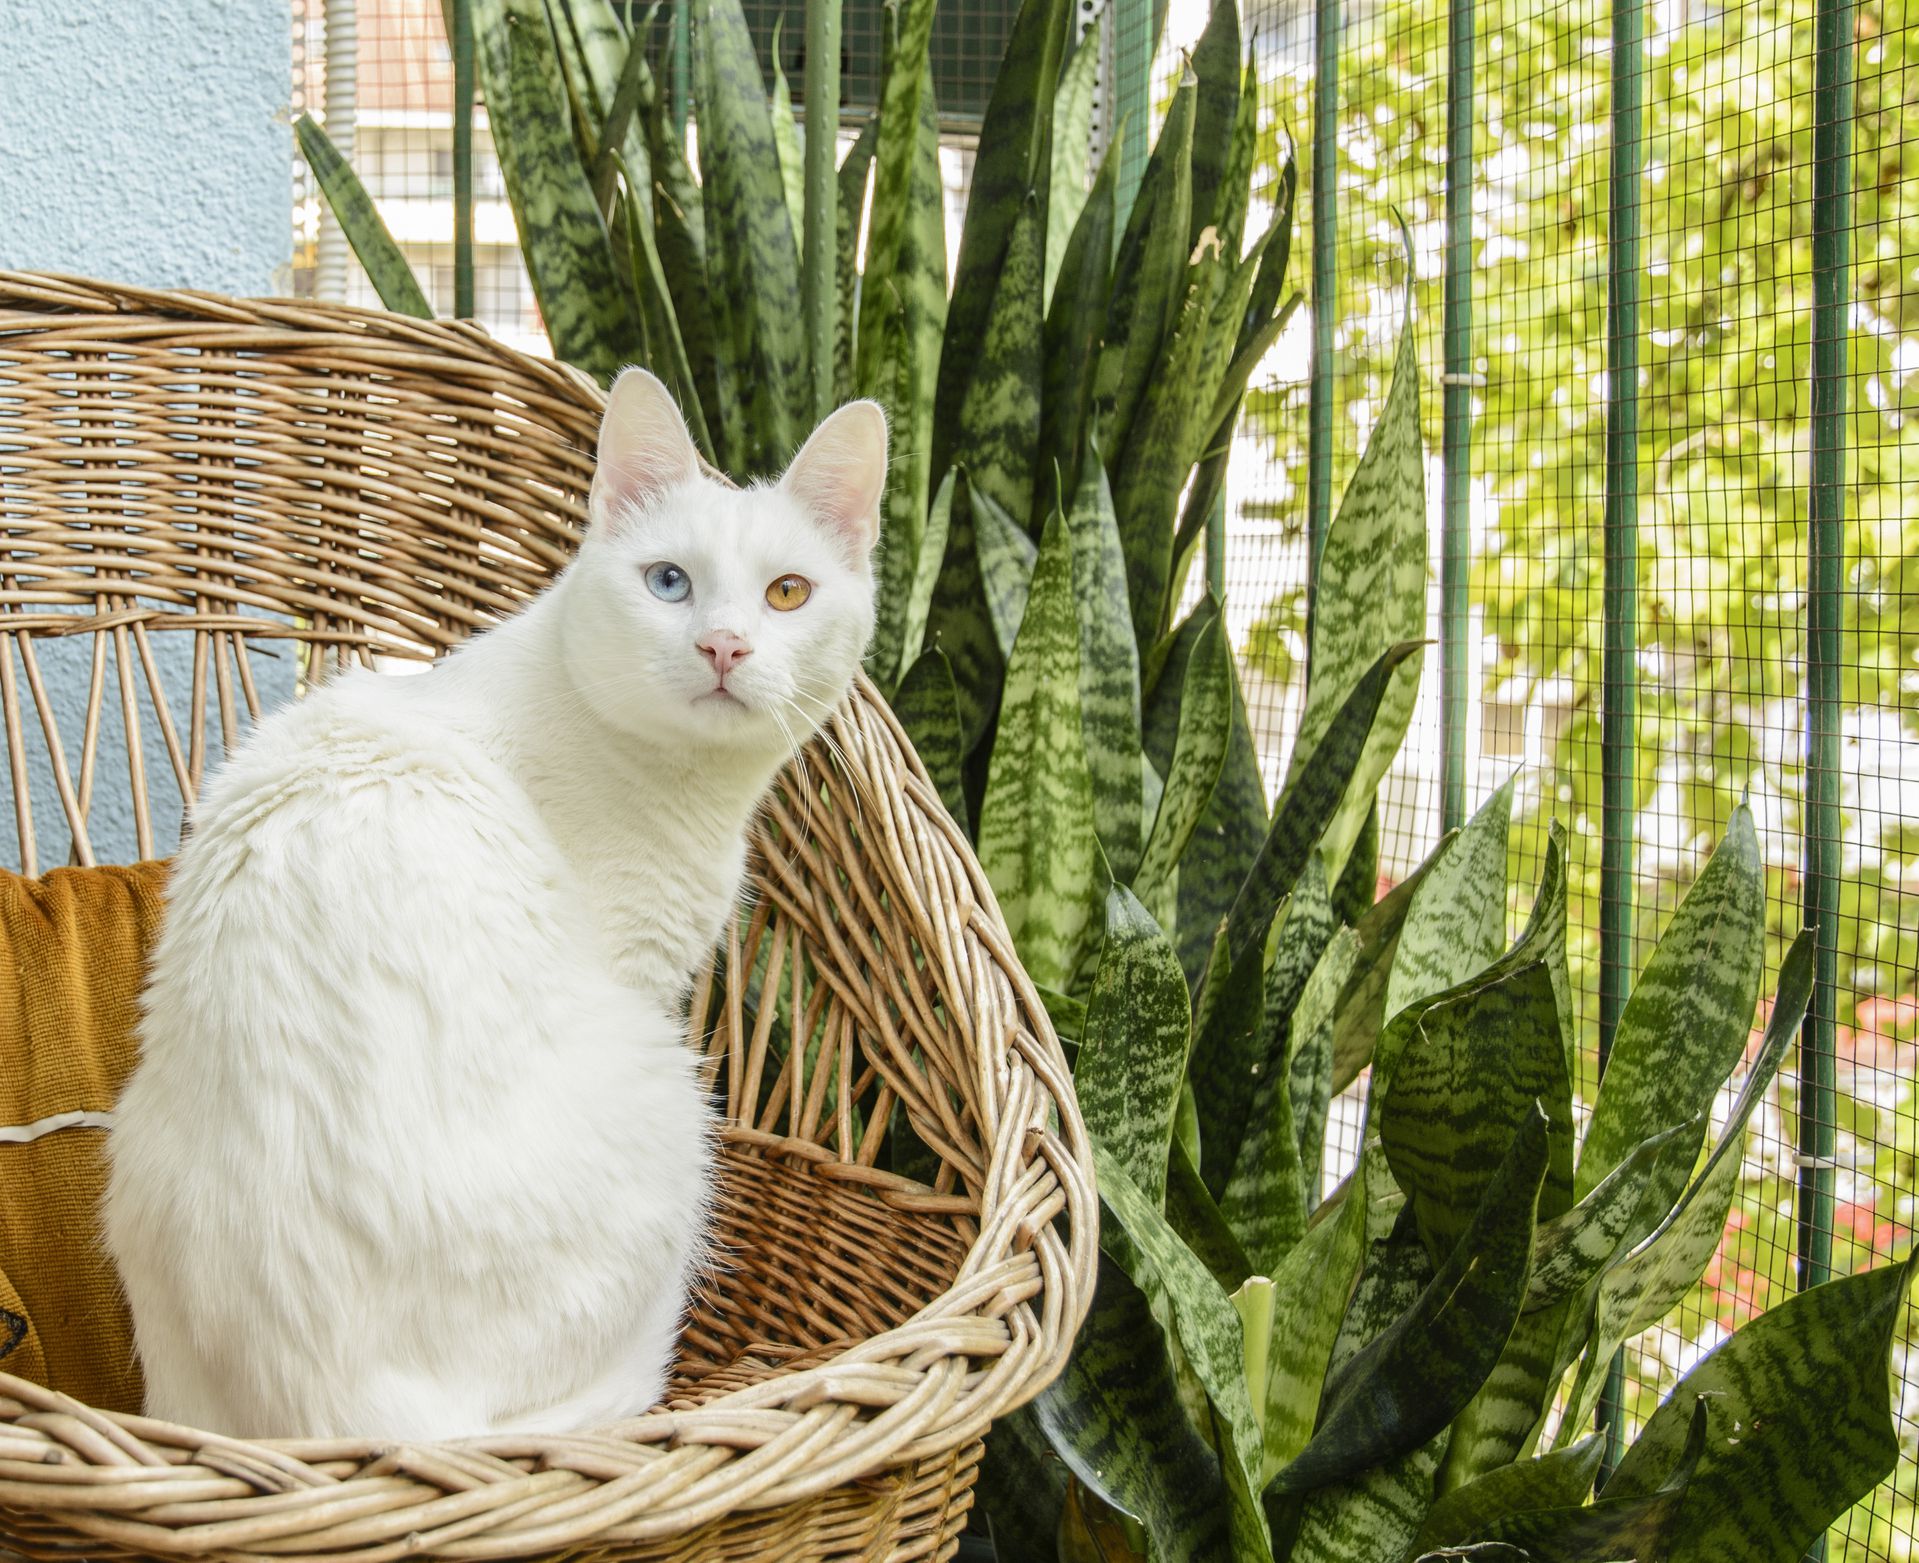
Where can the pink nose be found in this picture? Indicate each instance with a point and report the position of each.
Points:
(723, 649)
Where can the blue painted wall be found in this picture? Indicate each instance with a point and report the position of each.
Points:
(144, 142)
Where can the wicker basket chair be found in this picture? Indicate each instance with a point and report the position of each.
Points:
(190, 482)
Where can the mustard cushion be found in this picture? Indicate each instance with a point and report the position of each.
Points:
(73, 951)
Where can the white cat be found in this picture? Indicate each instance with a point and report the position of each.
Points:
(415, 1148)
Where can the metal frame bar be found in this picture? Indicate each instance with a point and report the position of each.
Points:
(1619, 749)
(1328, 25)
(1456, 415)
(462, 48)
(819, 241)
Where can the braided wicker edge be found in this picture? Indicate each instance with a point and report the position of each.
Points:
(994, 1339)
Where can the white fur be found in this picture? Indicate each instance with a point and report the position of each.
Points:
(414, 1148)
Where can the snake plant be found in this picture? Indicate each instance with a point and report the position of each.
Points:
(1402, 1368)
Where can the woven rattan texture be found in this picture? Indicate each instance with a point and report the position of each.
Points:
(906, 1224)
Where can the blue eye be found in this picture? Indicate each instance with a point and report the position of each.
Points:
(668, 582)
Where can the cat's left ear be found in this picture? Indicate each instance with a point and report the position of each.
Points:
(644, 447)
(840, 473)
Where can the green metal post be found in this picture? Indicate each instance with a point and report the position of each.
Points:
(1825, 575)
(462, 43)
(1618, 741)
(1457, 416)
(681, 87)
(1319, 428)
(819, 244)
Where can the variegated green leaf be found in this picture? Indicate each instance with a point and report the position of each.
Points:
(1072, 149)
(1006, 560)
(1686, 1024)
(569, 258)
(1149, 280)
(1022, 1489)
(853, 177)
(928, 708)
(926, 572)
(1606, 1530)
(1456, 925)
(1371, 1517)
(1561, 1480)
(1358, 885)
(1216, 64)
(1641, 1288)
(960, 621)
(753, 259)
(665, 346)
(1799, 1424)
(1361, 1013)
(1408, 1382)
(1196, 1310)
(1205, 725)
(1310, 1067)
(1132, 1053)
(1108, 672)
(1577, 1244)
(1236, 173)
(1011, 172)
(1036, 837)
(360, 220)
(1311, 1290)
(1372, 593)
(679, 225)
(997, 440)
(1114, 1417)
(1075, 319)
(1225, 1068)
(622, 137)
(1191, 1212)
(786, 139)
(1311, 800)
(896, 201)
(1480, 1065)
(1225, 843)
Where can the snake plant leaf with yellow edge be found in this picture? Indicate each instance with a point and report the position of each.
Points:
(359, 219)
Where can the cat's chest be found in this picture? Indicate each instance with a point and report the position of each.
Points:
(659, 907)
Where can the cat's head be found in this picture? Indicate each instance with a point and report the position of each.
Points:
(700, 613)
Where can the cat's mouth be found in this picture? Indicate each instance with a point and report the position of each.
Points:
(719, 694)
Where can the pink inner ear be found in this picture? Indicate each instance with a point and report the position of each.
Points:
(840, 474)
(644, 447)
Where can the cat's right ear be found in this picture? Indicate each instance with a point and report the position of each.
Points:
(644, 447)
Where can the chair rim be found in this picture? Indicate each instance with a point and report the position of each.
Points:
(788, 1437)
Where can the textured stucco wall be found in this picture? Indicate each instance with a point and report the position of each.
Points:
(145, 142)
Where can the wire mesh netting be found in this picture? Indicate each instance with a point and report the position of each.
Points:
(1722, 479)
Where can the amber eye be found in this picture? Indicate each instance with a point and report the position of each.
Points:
(788, 592)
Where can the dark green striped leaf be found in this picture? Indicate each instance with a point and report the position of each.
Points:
(852, 183)
(1641, 1288)
(679, 226)
(1226, 1068)
(1361, 1014)
(1022, 1488)
(1075, 318)
(1310, 1043)
(1358, 885)
(1311, 1290)
(622, 137)
(1686, 1024)
(1036, 837)
(753, 258)
(359, 219)
(1372, 594)
(1406, 1384)
(1311, 799)
(786, 140)
(1149, 280)
(926, 572)
(1798, 1419)
(1236, 173)
(569, 258)
(1072, 149)
(1193, 1307)
(1012, 169)
(1108, 672)
(960, 621)
(1193, 1214)
(928, 708)
(1371, 1517)
(1114, 1417)
(1132, 1053)
(1006, 559)
(1224, 843)
(896, 152)
(1480, 1065)
(1216, 114)
(665, 347)
(1577, 1244)
(1561, 1480)
(1456, 925)
(1205, 725)
(997, 440)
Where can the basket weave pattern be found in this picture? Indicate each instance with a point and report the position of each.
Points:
(906, 1222)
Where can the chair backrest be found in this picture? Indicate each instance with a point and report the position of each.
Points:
(206, 501)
